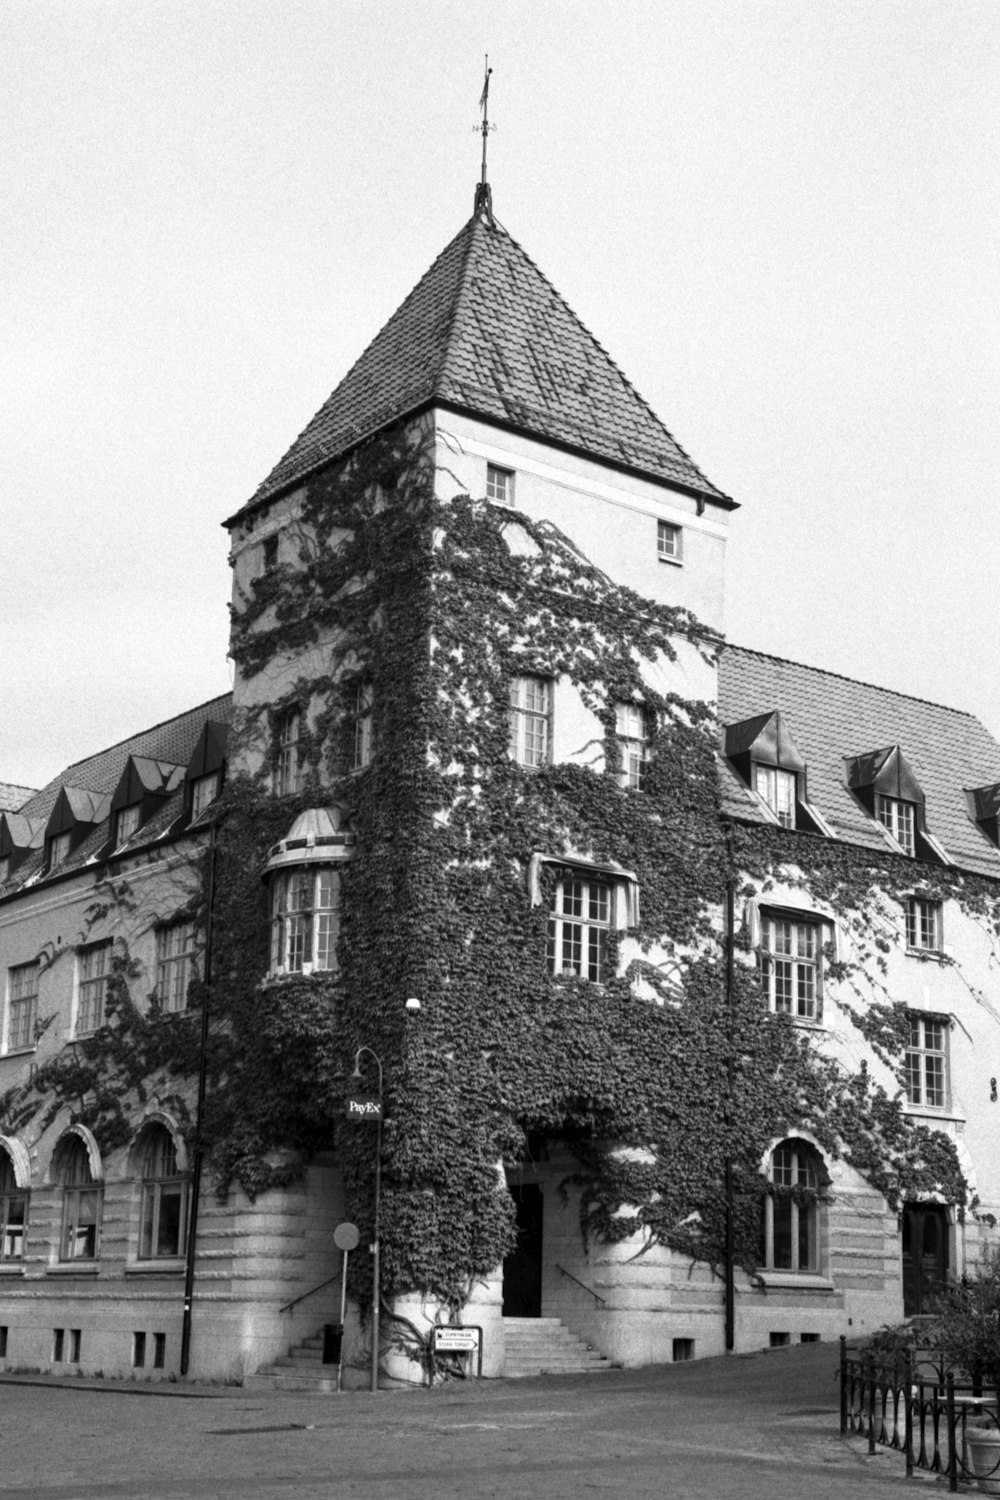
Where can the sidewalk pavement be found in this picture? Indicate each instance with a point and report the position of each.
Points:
(761, 1427)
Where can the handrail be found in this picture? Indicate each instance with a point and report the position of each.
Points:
(590, 1289)
(289, 1305)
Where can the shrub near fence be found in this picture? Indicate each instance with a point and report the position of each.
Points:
(910, 1400)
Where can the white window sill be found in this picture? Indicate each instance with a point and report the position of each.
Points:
(170, 1265)
(12, 1268)
(73, 1268)
(924, 1112)
(20, 1051)
(795, 1281)
(929, 955)
(673, 562)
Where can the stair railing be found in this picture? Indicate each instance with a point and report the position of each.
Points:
(289, 1305)
(588, 1289)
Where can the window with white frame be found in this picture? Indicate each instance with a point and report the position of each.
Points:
(81, 1221)
(13, 1211)
(531, 720)
(789, 962)
(304, 920)
(923, 924)
(175, 948)
(59, 847)
(287, 772)
(669, 539)
(363, 705)
(127, 822)
(899, 819)
(93, 971)
(778, 789)
(927, 1062)
(204, 790)
(579, 923)
(163, 1219)
(632, 730)
(22, 1006)
(499, 485)
(790, 1228)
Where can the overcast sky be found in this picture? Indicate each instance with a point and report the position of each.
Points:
(779, 216)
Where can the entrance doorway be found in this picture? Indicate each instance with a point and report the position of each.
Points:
(925, 1255)
(522, 1269)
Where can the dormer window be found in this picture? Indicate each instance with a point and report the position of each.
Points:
(898, 818)
(890, 793)
(4, 868)
(128, 822)
(762, 752)
(59, 849)
(777, 789)
(204, 790)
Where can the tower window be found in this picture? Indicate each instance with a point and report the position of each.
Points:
(287, 772)
(499, 485)
(669, 542)
(304, 920)
(531, 720)
(363, 726)
(632, 728)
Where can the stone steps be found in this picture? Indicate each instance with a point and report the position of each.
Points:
(545, 1346)
(301, 1369)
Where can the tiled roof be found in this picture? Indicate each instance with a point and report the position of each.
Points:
(484, 330)
(12, 797)
(833, 718)
(173, 740)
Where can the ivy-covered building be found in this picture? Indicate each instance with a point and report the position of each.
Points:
(674, 962)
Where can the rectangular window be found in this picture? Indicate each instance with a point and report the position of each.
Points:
(927, 1062)
(632, 731)
(3, 1340)
(175, 948)
(159, 1350)
(94, 966)
(668, 542)
(531, 720)
(138, 1350)
(923, 924)
(59, 846)
(499, 485)
(579, 923)
(791, 1211)
(22, 1009)
(776, 788)
(305, 920)
(287, 775)
(363, 704)
(4, 869)
(75, 1341)
(58, 1344)
(204, 790)
(270, 553)
(899, 819)
(127, 823)
(789, 966)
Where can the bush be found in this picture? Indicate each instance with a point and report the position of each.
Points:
(967, 1321)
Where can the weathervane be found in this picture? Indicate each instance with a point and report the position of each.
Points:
(484, 198)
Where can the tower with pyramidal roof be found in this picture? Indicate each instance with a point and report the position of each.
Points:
(614, 993)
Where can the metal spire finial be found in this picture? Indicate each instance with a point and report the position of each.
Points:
(484, 198)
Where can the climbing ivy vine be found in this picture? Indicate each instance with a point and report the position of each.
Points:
(436, 606)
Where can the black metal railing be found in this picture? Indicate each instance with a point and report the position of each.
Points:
(583, 1285)
(912, 1402)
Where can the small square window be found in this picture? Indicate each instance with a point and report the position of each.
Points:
(669, 542)
(923, 924)
(683, 1349)
(499, 485)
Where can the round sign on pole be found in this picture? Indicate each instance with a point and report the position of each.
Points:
(346, 1236)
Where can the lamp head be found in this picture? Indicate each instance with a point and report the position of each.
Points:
(413, 1005)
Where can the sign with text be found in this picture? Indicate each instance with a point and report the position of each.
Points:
(456, 1340)
(364, 1107)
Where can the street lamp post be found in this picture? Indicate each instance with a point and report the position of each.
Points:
(376, 1276)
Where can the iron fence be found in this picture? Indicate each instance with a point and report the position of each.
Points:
(912, 1402)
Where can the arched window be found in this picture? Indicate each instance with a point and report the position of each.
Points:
(163, 1224)
(791, 1208)
(13, 1211)
(81, 1202)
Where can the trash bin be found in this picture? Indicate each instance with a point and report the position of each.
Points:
(333, 1337)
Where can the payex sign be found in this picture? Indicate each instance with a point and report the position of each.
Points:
(364, 1107)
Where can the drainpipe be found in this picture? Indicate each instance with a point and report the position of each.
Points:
(730, 1084)
(192, 1228)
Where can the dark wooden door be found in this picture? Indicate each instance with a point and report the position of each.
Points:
(925, 1255)
(522, 1269)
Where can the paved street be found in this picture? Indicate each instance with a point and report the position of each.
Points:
(761, 1427)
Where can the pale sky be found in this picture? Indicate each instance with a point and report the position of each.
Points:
(779, 216)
